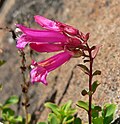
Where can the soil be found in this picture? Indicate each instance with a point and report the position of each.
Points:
(100, 18)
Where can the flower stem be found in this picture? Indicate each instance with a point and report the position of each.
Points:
(90, 86)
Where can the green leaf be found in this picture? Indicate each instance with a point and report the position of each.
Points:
(7, 113)
(66, 109)
(108, 120)
(52, 118)
(1, 87)
(1, 106)
(29, 117)
(97, 72)
(97, 108)
(42, 123)
(77, 121)
(108, 113)
(18, 119)
(94, 86)
(53, 107)
(11, 100)
(98, 120)
(84, 92)
(71, 112)
(83, 105)
(109, 109)
(95, 113)
(68, 119)
(2, 62)
(66, 106)
(84, 68)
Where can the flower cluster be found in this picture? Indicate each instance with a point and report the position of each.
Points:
(56, 37)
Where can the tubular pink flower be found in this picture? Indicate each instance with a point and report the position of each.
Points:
(39, 36)
(55, 26)
(41, 70)
(42, 35)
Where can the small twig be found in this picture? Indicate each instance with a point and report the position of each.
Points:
(25, 85)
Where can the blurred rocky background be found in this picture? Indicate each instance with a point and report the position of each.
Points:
(99, 17)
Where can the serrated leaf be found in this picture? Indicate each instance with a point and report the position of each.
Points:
(97, 72)
(83, 105)
(84, 92)
(2, 62)
(84, 68)
(94, 86)
(11, 100)
(53, 107)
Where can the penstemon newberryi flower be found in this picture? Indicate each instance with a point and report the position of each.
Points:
(56, 36)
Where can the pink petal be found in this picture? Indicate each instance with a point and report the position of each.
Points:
(73, 43)
(21, 42)
(56, 60)
(46, 47)
(70, 30)
(46, 23)
(38, 74)
(42, 35)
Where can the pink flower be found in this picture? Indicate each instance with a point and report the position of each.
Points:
(41, 69)
(55, 25)
(56, 37)
(38, 36)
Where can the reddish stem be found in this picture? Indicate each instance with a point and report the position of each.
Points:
(90, 86)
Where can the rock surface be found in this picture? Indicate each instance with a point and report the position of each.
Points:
(100, 18)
